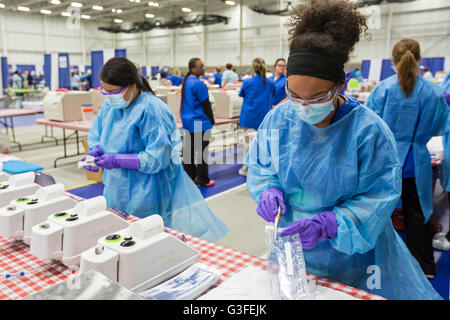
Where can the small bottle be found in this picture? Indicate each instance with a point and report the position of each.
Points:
(87, 111)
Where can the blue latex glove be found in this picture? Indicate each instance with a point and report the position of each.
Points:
(95, 152)
(321, 227)
(117, 160)
(271, 199)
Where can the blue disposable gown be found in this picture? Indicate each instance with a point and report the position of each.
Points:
(351, 167)
(160, 186)
(414, 120)
(445, 168)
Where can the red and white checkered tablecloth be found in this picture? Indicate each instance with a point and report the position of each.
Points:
(39, 274)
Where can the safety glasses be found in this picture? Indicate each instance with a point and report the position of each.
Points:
(325, 98)
(102, 90)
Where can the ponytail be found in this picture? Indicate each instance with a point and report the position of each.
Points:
(191, 65)
(144, 86)
(259, 67)
(406, 56)
(407, 70)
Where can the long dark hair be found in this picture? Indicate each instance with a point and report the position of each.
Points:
(122, 72)
(191, 65)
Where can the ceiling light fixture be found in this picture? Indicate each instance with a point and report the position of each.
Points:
(153, 4)
(186, 9)
(55, 2)
(118, 20)
(44, 11)
(85, 16)
(65, 14)
(230, 3)
(149, 15)
(98, 8)
(77, 4)
(25, 9)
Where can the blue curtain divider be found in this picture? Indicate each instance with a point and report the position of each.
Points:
(144, 71)
(386, 69)
(25, 67)
(48, 69)
(155, 69)
(365, 68)
(121, 53)
(434, 64)
(64, 73)
(96, 67)
(5, 72)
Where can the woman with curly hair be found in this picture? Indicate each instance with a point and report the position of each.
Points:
(331, 164)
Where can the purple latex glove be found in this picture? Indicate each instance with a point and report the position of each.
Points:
(321, 227)
(447, 97)
(95, 152)
(271, 199)
(117, 160)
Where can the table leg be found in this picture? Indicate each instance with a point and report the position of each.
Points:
(14, 134)
(65, 139)
(47, 136)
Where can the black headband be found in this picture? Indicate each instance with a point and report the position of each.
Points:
(314, 63)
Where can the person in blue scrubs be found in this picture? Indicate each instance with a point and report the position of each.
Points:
(176, 79)
(217, 76)
(279, 80)
(415, 110)
(198, 120)
(331, 164)
(229, 75)
(136, 140)
(258, 93)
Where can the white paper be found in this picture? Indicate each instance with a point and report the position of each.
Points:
(252, 284)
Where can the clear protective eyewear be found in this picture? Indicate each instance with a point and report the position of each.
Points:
(325, 98)
(105, 93)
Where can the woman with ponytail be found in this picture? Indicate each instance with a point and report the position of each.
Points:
(198, 119)
(136, 140)
(329, 165)
(258, 93)
(415, 110)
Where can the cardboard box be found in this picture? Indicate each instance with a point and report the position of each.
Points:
(174, 102)
(92, 176)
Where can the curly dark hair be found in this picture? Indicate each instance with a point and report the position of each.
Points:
(331, 26)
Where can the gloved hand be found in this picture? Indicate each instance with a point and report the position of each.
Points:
(117, 160)
(321, 227)
(271, 199)
(95, 152)
(447, 97)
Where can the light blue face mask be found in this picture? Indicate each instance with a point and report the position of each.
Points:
(117, 101)
(314, 113)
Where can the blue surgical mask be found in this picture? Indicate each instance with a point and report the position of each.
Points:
(314, 113)
(117, 101)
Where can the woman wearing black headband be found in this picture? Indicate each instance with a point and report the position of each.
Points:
(331, 164)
